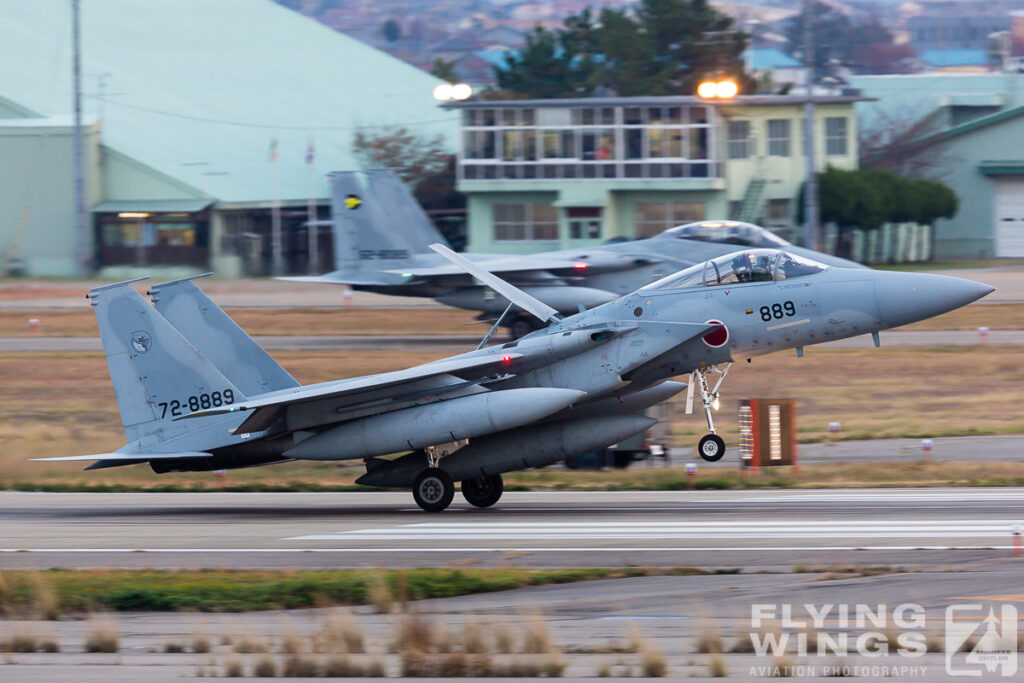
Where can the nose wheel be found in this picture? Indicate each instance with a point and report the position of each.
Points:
(711, 447)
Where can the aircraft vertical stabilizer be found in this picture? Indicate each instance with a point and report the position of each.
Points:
(217, 337)
(378, 224)
(157, 374)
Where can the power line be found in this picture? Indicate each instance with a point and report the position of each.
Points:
(266, 126)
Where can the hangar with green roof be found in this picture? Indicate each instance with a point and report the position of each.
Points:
(199, 118)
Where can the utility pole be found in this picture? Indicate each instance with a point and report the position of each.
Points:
(81, 221)
(812, 234)
(312, 229)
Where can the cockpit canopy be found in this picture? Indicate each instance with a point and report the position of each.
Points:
(727, 232)
(750, 265)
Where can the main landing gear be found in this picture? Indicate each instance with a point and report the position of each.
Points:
(483, 491)
(711, 446)
(433, 488)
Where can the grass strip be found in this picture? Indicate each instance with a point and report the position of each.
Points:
(58, 591)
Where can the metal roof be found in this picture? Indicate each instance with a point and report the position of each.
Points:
(656, 101)
(197, 90)
(153, 206)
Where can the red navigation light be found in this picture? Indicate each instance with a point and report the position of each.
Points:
(506, 359)
(580, 265)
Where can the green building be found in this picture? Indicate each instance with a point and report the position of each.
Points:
(201, 116)
(546, 174)
(963, 130)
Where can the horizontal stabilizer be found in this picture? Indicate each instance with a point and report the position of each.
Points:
(134, 457)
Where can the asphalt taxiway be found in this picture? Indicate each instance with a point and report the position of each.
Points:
(772, 530)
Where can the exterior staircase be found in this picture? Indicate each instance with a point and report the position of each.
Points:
(753, 199)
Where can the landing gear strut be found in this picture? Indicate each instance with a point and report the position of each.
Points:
(711, 446)
(484, 491)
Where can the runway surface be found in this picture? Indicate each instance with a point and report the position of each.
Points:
(753, 529)
(450, 343)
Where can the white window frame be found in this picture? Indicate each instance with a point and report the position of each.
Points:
(738, 147)
(779, 145)
(837, 143)
(529, 223)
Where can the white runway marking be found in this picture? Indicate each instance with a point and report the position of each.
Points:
(681, 530)
(574, 549)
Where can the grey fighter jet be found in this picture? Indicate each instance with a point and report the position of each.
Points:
(382, 238)
(196, 393)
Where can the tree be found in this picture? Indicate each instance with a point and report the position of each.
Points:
(900, 143)
(661, 47)
(392, 31)
(446, 206)
(413, 157)
(864, 44)
(868, 199)
(445, 70)
(540, 69)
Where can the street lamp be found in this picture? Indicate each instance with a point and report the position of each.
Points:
(452, 91)
(724, 89)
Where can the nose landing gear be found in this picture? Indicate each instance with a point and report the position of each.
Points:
(711, 446)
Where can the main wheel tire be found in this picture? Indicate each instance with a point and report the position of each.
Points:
(520, 327)
(711, 447)
(622, 459)
(433, 489)
(483, 492)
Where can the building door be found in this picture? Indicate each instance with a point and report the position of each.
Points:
(1009, 214)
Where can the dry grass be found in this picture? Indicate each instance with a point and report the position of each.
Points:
(992, 316)
(537, 638)
(716, 667)
(414, 634)
(709, 641)
(200, 644)
(653, 663)
(339, 633)
(327, 321)
(504, 639)
(233, 669)
(473, 640)
(266, 667)
(380, 595)
(104, 635)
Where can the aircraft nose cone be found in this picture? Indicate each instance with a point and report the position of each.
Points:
(904, 298)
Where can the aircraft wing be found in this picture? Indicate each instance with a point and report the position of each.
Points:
(587, 261)
(268, 408)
